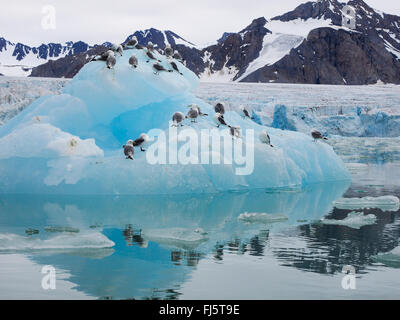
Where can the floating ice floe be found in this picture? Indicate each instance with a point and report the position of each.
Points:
(177, 237)
(385, 203)
(354, 220)
(90, 240)
(61, 229)
(264, 218)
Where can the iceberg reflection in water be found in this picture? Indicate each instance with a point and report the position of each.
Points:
(161, 241)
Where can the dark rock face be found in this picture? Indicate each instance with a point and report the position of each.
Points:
(68, 66)
(331, 56)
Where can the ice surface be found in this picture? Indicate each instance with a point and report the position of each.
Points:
(370, 111)
(264, 218)
(71, 142)
(391, 259)
(17, 93)
(354, 220)
(88, 240)
(385, 203)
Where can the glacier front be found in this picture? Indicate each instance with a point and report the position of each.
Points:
(71, 143)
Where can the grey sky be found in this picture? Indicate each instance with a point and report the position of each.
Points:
(95, 21)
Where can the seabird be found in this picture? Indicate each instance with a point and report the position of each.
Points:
(133, 61)
(235, 132)
(193, 113)
(103, 56)
(219, 108)
(111, 61)
(177, 56)
(159, 68)
(139, 47)
(168, 50)
(219, 119)
(151, 56)
(177, 118)
(317, 135)
(244, 113)
(129, 151)
(160, 51)
(264, 138)
(175, 67)
(118, 48)
(198, 109)
(141, 141)
(150, 46)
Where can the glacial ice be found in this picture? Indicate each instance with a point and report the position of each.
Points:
(71, 143)
(354, 220)
(265, 218)
(385, 203)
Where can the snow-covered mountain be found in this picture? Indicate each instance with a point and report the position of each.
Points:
(307, 45)
(310, 45)
(17, 59)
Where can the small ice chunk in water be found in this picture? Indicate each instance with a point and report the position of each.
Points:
(177, 237)
(385, 203)
(61, 229)
(354, 220)
(262, 217)
(92, 240)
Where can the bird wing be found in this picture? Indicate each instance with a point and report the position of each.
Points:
(138, 142)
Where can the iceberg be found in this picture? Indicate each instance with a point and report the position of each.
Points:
(390, 259)
(264, 218)
(354, 220)
(71, 143)
(385, 203)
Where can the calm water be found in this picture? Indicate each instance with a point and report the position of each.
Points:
(196, 247)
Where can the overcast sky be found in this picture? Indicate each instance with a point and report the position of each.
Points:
(96, 21)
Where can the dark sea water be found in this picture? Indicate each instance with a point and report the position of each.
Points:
(199, 247)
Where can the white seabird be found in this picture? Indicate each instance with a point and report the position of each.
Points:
(141, 141)
(264, 138)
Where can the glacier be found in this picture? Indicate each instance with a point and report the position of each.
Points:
(71, 143)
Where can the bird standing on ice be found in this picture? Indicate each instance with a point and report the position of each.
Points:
(219, 120)
(244, 112)
(175, 67)
(151, 56)
(168, 50)
(234, 131)
(129, 151)
(264, 138)
(317, 135)
(133, 61)
(219, 108)
(177, 56)
(177, 118)
(131, 43)
(150, 46)
(198, 109)
(192, 114)
(158, 67)
(118, 48)
(141, 142)
(111, 61)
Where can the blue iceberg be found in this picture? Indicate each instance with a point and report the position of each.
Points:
(71, 143)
